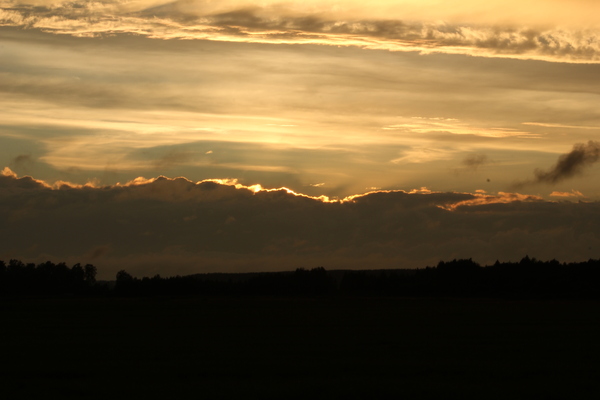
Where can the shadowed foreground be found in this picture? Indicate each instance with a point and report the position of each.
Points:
(284, 347)
(527, 279)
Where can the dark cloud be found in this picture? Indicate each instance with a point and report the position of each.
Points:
(571, 164)
(9, 183)
(471, 163)
(97, 252)
(474, 161)
(22, 159)
(22, 163)
(175, 226)
(568, 165)
(172, 159)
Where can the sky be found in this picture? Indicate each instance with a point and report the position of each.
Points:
(232, 135)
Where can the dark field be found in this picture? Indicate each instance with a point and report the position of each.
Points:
(305, 348)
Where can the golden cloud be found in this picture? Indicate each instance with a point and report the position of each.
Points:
(572, 193)
(527, 30)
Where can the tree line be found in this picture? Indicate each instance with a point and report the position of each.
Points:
(47, 278)
(528, 278)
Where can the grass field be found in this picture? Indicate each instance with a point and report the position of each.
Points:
(299, 348)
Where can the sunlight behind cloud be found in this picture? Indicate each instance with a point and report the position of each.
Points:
(212, 225)
(288, 94)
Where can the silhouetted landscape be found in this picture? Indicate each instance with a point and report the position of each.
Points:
(528, 278)
(523, 330)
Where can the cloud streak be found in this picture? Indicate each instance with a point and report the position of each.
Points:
(403, 27)
(572, 193)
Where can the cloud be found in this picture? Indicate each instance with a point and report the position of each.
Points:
(453, 126)
(397, 26)
(97, 252)
(173, 158)
(572, 193)
(474, 161)
(7, 172)
(471, 163)
(10, 183)
(483, 199)
(547, 125)
(423, 155)
(22, 159)
(570, 164)
(144, 110)
(22, 163)
(177, 226)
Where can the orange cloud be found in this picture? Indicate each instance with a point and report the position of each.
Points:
(572, 193)
(8, 172)
(501, 198)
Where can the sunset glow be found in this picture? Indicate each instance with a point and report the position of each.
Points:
(330, 111)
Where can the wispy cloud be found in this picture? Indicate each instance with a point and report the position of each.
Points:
(22, 162)
(474, 161)
(404, 26)
(423, 155)
(173, 158)
(453, 126)
(548, 125)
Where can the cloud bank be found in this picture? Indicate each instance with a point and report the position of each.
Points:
(175, 226)
(561, 31)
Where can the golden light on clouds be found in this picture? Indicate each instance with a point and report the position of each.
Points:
(174, 225)
(485, 199)
(546, 30)
(340, 130)
(573, 193)
(455, 126)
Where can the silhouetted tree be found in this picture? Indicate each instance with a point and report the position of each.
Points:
(90, 274)
(124, 283)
